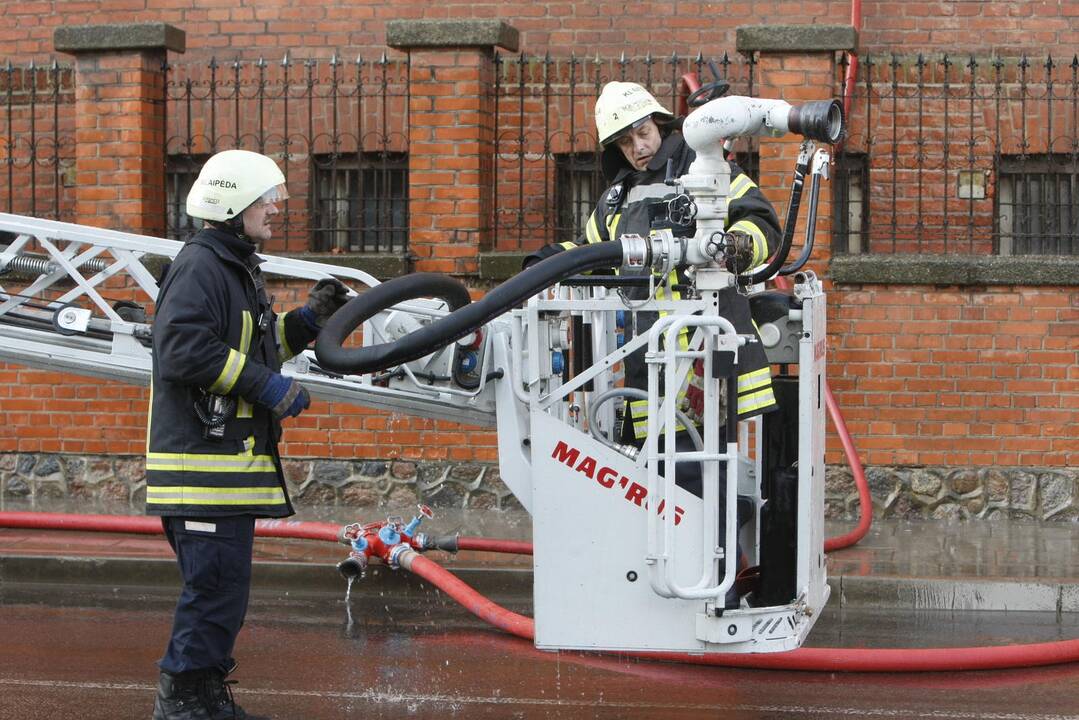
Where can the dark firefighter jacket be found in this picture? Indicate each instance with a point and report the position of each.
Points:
(623, 209)
(215, 331)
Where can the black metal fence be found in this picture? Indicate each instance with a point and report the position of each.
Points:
(547, 168)
(37, 140)
(944, 155)
(961, 155)
(338, 128)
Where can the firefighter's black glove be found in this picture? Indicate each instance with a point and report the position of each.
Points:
(739, 251)
(325, 298)
(284, 396)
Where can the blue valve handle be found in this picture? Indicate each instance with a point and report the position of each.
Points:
(389, 535)
(410, 529)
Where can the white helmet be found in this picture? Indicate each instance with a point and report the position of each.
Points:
(624, 105)
(230, 181)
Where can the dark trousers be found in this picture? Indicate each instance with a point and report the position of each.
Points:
(214, 556)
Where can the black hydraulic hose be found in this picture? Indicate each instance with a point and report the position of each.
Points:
(465, 318)
(811, 223)
(328, 346)
(762, 274)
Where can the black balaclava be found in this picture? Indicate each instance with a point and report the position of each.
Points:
(233, 226)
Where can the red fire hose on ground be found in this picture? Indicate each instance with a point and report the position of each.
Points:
(810, 659)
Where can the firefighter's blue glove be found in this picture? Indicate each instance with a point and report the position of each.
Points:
(284, 396)
(325, 298)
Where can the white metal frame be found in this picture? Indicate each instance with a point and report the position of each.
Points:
(607, 526)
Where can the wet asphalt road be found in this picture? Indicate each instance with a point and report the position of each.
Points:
(84, 652)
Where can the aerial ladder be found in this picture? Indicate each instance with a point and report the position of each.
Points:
(624, 558)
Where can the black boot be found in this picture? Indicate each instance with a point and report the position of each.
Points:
(179, 696)
(217, 695)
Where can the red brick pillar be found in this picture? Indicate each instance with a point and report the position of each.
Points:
(120, 122)
(796, 63)
(451, 137)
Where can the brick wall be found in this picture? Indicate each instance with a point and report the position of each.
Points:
(957, 376)
(271, 27)
(451, 139)
(927, 375)
(120, 141)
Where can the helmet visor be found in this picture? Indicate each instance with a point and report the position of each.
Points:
(632, 126)
(276, 194)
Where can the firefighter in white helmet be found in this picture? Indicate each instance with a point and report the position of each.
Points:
(217, 401)
(638, 137)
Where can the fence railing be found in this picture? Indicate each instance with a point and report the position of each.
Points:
(37, 140)
(944, 155)
(961, 155)
(547, 170)
(338, 128)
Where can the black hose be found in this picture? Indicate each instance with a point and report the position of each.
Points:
(328, 346)
(811, 224)
(465, 318)
(780, 257)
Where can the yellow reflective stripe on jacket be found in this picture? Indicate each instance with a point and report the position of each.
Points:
(755, 390)
(638, 411)
(195, 495)
(198, 462)
(236, 360)
(612, 225)
(150, 415)
(740, 186)
(244, 408)
(756, 401)
(591, 230)
(246, 332)
(284, 352)
(755, 379)
(229, 374)
(760, 243)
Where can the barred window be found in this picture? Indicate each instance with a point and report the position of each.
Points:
(850, 204)
(181, 171)
(749, 159)
(1038, 205)
(578, 184)
(359, 203)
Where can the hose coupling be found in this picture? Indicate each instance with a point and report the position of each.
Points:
(636, 252)
(354, 566)
(445, 543)
(393, 558)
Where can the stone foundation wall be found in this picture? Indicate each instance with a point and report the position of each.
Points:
(943, 493)
(115, 484)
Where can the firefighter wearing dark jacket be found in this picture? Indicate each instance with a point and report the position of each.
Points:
(217, 401)
(634, 130)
